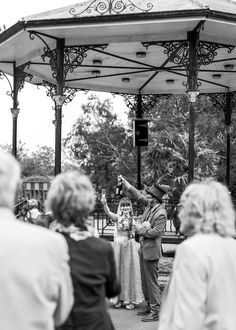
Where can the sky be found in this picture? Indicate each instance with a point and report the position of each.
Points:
(35, 127)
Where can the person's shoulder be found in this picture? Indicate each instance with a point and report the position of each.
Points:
(39, 234)
(159, 209)
(198, 243)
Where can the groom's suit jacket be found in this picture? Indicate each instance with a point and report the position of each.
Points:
(150, 238)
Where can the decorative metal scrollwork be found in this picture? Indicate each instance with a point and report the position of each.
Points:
(178, 51)
(3, 75)
(105, 7)
(73, 57)
(68, 93)
(21, 75)
(51, 54)
(51, 88)
(207, 51)
(130, 100)
(219, 101)
(148, 101)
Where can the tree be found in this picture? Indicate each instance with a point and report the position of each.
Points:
(166, 158)
(100, 144)
(38, 163)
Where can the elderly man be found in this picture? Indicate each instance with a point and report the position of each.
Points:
(35, 283)
(150, 230)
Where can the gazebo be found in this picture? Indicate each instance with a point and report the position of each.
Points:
(144, 48)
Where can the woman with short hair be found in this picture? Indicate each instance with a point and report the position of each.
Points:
(202, 291)
(71, 198)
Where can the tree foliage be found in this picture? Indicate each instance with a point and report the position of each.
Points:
(166, 159)
(101, 144)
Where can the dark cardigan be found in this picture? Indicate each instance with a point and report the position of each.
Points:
(93, 273)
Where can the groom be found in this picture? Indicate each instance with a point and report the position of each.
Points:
(150, 231)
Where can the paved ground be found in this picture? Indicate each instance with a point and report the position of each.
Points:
(124, 319)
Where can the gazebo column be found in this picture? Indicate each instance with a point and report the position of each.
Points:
(15, 110)
(61, 62)
(59, 100)
(228, 112)
(19, 76)
(225, 102)
(139, 114)
(192, 95)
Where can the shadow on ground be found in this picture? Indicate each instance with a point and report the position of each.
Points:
(124, 319)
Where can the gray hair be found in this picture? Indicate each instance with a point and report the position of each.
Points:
(9, 179)
(71, 198)
(207, 208)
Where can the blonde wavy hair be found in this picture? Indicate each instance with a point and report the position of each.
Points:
(71, 198)
(207, 207)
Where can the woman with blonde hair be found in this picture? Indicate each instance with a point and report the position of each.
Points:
(202, 290)
(126, 254)
(71, 198)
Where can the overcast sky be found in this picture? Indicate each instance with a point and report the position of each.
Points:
(36, 115)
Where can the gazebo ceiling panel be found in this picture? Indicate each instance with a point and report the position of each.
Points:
(219, 31)
(22, 49)
(144, 30)
(116, 63)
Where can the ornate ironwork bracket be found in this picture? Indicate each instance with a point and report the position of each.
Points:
(206, 51)
(105, 7)
(178, 53)
(21, 75)
(148, 101)
(67, 97)
(3, 75)
(73, 55)
(219, 101)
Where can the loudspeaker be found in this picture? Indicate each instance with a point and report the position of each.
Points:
(140, 132)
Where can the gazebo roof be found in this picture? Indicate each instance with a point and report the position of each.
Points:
(105, 7)
(122, 46)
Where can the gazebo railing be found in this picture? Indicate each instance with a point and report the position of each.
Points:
(105, 226)
(98, 217)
